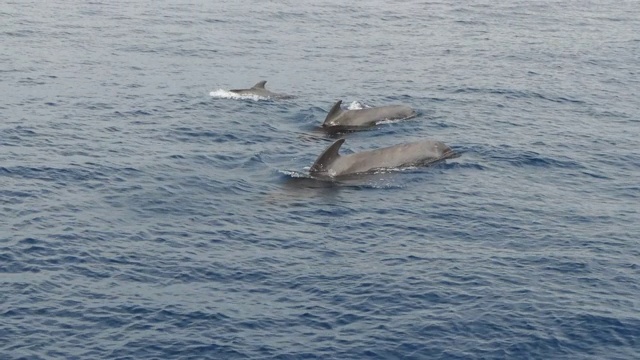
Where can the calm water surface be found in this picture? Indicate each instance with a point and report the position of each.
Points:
(147, 214)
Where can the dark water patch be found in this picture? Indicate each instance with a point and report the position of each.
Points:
(17, 267)
(255, 161)
(94, 106)
(200, 134)
(141, 49)
(471, 22)
(202, 53)
(595, 175)
(188, 227)
(140, 122)
(520, 158)
(517, 94)
(136, 113)
(30, 81)
(113, 129)
(61, 175)
(15, 197)
(21, 33)
(449, 165)
(215, 21)
(531, 158)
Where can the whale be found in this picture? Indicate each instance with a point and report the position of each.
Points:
(419, 153)
(339, 119)
(259, 90)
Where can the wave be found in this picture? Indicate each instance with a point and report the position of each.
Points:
(295, 174)
(515, 94)
(383, 178)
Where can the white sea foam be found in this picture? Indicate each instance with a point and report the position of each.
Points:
(225, 94)
(384, 122)
(356, 105)
(294, 174)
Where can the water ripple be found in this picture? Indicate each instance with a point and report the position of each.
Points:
(148, 213)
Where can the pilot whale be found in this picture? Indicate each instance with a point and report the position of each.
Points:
(259, 90)
(339, 119)
(421, 153)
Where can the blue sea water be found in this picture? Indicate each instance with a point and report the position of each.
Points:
(147, 214)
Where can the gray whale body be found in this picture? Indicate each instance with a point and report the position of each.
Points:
(339, 119)
(259, 90)
(420, 153)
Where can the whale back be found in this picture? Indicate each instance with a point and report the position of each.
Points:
(360, 118)
(419, 153)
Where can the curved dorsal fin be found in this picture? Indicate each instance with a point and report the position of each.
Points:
(335, 111)
(259, 85)
(327, 157)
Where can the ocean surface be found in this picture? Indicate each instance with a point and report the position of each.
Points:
(146, 212)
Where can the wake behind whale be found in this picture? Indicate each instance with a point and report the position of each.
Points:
(257, 92)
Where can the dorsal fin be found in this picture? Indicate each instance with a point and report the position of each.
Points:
(259, 85)
(327, 157)
(335, 111)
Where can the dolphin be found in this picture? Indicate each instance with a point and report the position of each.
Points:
(339, 119)
(259, 90)
(420, 153)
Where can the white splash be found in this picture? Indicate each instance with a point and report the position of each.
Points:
(293, 174)
(356, 105)
(384, 122)
(224, 94)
